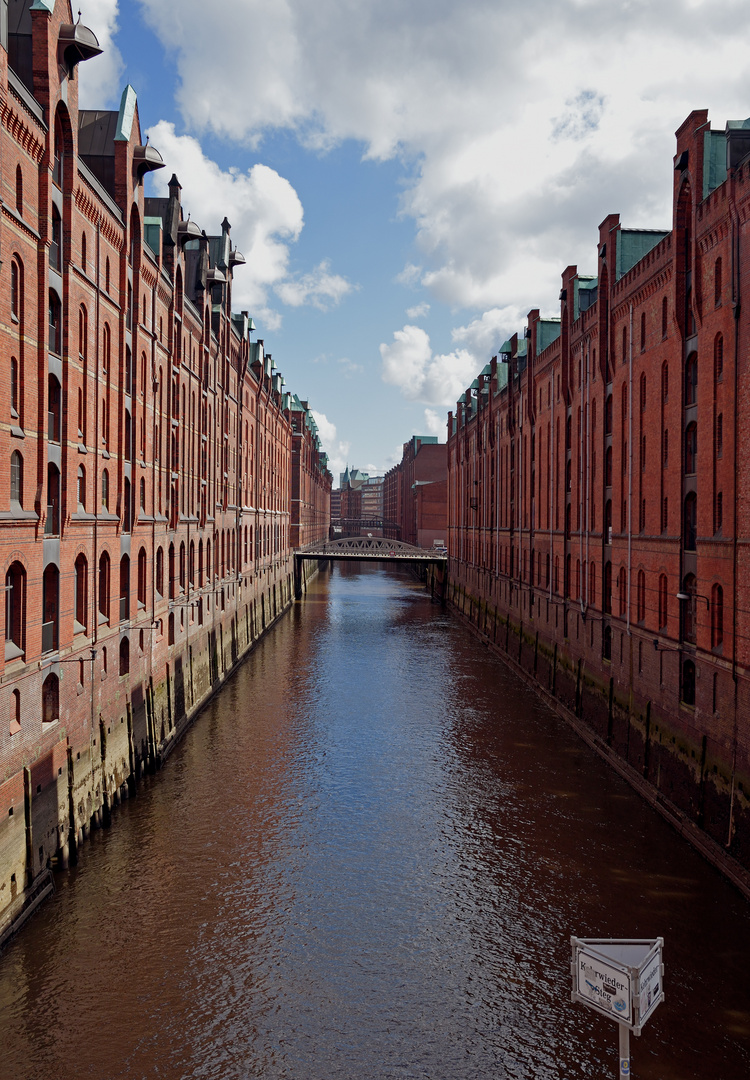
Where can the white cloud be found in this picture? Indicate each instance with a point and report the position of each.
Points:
(435, 423)
(99, 80)
(514, 153)
(319, 288)
(266, 216)
(484, 336)
(421, 375)
(419, 311)
(337, 449)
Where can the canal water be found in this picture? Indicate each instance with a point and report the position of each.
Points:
(365, 860)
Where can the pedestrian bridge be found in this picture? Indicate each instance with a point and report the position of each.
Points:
(366, 548)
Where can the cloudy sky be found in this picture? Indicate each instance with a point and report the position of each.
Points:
(407, 178)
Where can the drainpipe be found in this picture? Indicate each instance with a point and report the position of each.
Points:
(630, 458)
(551, 476)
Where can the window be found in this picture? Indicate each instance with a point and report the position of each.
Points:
(50, 699)
(643, 331)
(170, 630)
(58, 160)
(55, 323)
(665, 448)
(608, 416)
(83, 252)
(641, 597)
(124, 588)
(52, 520)
(717, 616)
(15, 291)
(691, 448)
(719, 512)
(691, 379)
(623, 590)
(50, 608)
(106, 275)
(14, 388)
(55, 247)
(688, 682)
(16, 480)
(607, 595)
(719, 435)
(662, 601)
(80, 597)
(624, 344)
(717, 282)
(125, 656)
(719, 358)
(160, 571)
(15, 712)
(15, 611)
(608, 467)
(143, 495)
(690, 525)
(105, 490)
(142, 578)
(104, 571)
(665, 381)
(53, 409)
(664, 513)
(19, 190)
(688, 609)
(664, 317)
(127, 506)
(182, 566)
(171, 572)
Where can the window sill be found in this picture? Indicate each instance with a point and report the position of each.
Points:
(17, 432)
(17, 513)
(12, 651)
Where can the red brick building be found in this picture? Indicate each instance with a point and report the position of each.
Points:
(599, 500)
(145, 516)
(311, 479)
(415, 505)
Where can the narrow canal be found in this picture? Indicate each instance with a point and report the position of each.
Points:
(366, 860)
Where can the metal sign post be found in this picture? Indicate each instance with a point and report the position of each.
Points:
(621, 978)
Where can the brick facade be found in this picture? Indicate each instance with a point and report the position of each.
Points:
(146, 510)
(596, 472)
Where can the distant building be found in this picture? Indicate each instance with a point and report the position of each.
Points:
(415, 494)
(311, 480)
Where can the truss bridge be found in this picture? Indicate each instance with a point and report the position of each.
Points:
(366, 549)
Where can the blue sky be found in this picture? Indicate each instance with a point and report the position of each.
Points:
(408, 178)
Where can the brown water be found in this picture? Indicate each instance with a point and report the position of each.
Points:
(366, 860)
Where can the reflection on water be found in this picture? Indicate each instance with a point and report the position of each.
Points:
(366, 860)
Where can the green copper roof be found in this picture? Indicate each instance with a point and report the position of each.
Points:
(126, 115)
(715, 157)
(632, 245)
(547, 331)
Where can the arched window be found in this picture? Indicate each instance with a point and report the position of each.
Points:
(688, 682)
(662, 601)
(191, 563)
(15, 712)
(691, 379)
(15, 611)
(143, 495)
(16, 480)
(81, 488)
(50, 699)
(104, 570)
(14, 382)
(690, 526)
(719, 358)
(124, 588)
(80, 599)
(19, 190)
(641, 597)
(16, 291)
(128, 436)
(182, 566)
(200, 564)
(50, 608)
(106, 275)
(160, 571)
(171, 572)
(124, 656)
(55, 323)
(142, 578)
(717, 616)
(623, 590)
(608, 522)
(691, 448)
(608, 416)
(83, 253)
(105, 490)
(170, 631)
